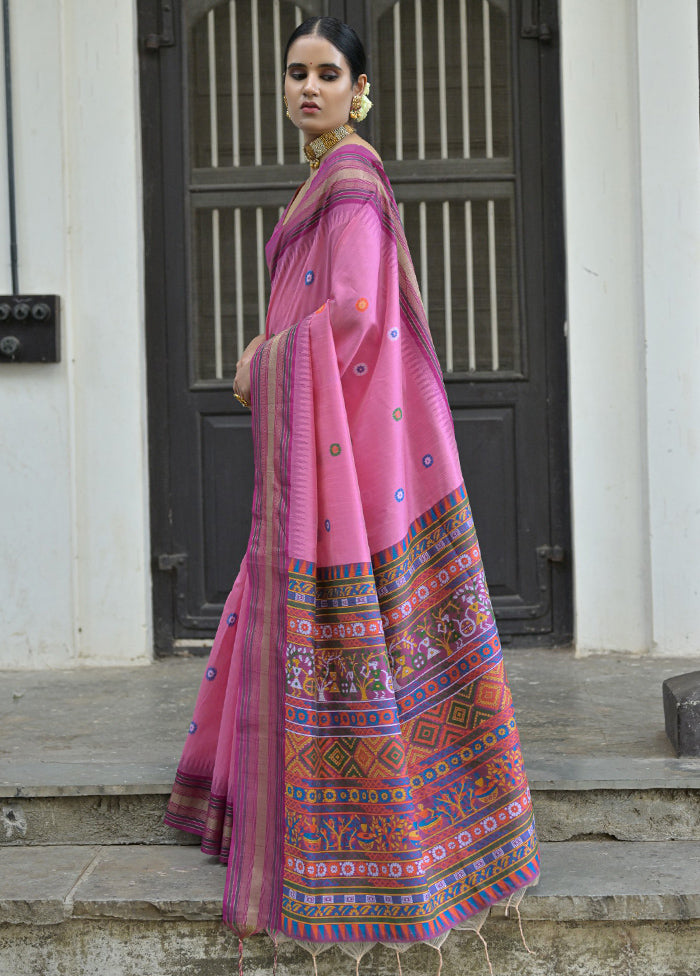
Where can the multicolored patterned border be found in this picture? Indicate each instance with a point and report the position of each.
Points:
(406, 807)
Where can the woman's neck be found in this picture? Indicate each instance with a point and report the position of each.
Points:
(317, 148)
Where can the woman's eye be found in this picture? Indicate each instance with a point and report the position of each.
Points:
(329, 77)
(297, 75)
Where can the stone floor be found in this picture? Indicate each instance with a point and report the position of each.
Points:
(593, 721)
(580, 880)
(93, 752)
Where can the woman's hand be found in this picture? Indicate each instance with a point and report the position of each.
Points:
(241, 384)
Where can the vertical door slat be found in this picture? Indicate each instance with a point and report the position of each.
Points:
(469, 255)
(277, 57)
(493, 286)
(261, 268)
(238, 272)
(423, 232)
(488, 90)
(398, 81)
(213, 118)
(420, 82)
(464, 78)
(216, 269)
(447, 271)
(235, 117)
(215, 228)
(442, 87)
(255, 44)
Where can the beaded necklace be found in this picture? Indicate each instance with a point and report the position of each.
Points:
(318, 147)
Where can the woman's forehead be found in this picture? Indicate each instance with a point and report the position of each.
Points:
(312, 49)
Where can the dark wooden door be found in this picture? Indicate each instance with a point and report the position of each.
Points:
(466, 119)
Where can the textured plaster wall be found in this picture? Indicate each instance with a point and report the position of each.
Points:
(606, 326)
(631, 160)
(37, 625)
(74, 569)
(670, 194)
(185, 946)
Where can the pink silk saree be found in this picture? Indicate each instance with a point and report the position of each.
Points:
(353, 755)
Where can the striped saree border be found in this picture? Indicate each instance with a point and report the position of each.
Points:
(194, 808)
(253, 881)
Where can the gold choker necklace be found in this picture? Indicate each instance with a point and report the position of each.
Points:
(317, 149)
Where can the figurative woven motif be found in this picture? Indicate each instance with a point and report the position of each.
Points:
(406, 807)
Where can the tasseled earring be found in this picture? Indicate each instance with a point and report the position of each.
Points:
(360, 105)
(286, 106)
(356, 106)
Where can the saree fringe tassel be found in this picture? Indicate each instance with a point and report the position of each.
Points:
(486, 951)
(275, 942)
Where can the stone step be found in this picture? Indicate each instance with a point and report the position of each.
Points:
(601, 909)
(89, 756)
(126, 817)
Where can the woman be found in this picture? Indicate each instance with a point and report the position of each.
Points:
(353, 754)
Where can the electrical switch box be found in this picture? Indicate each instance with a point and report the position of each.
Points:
(30, 329)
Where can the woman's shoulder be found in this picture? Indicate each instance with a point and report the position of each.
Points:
(355, 159)
(355, 140)
(354, 152)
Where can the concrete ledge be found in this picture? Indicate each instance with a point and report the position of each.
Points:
(180, 948)
(85, 819)
(36, 884)
(19, 780)
(591, 880)
(580, 881)
(93, 777)
(560, 815)
(611, 772)
(625, 815)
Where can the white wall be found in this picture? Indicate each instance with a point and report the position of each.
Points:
(74, 569)
(74, 559)
(36, 565)
(630, 113)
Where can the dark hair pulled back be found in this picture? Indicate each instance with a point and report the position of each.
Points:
(340, 35)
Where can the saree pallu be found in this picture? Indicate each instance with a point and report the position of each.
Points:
(353, 754)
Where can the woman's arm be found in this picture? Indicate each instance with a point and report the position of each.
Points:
(241, 383)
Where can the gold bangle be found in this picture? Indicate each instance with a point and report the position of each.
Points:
(241, 399)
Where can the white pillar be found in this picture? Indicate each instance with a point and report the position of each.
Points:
(106, 294)
(612, 583)
(670, 193)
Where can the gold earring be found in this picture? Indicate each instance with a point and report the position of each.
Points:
(355, 107)
(286, 106)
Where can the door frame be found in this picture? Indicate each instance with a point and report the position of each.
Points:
(162, 208)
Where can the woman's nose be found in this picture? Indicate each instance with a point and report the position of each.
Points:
(311, 87)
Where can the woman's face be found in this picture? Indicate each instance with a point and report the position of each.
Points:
(318, 85)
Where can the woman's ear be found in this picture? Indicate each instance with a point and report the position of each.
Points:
(359, 85)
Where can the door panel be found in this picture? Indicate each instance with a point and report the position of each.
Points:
(488, 435)
(227, 457)
(466, 120)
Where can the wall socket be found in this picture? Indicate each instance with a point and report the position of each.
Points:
(30, 329)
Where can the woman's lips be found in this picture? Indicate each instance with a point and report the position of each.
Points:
(309, 108)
